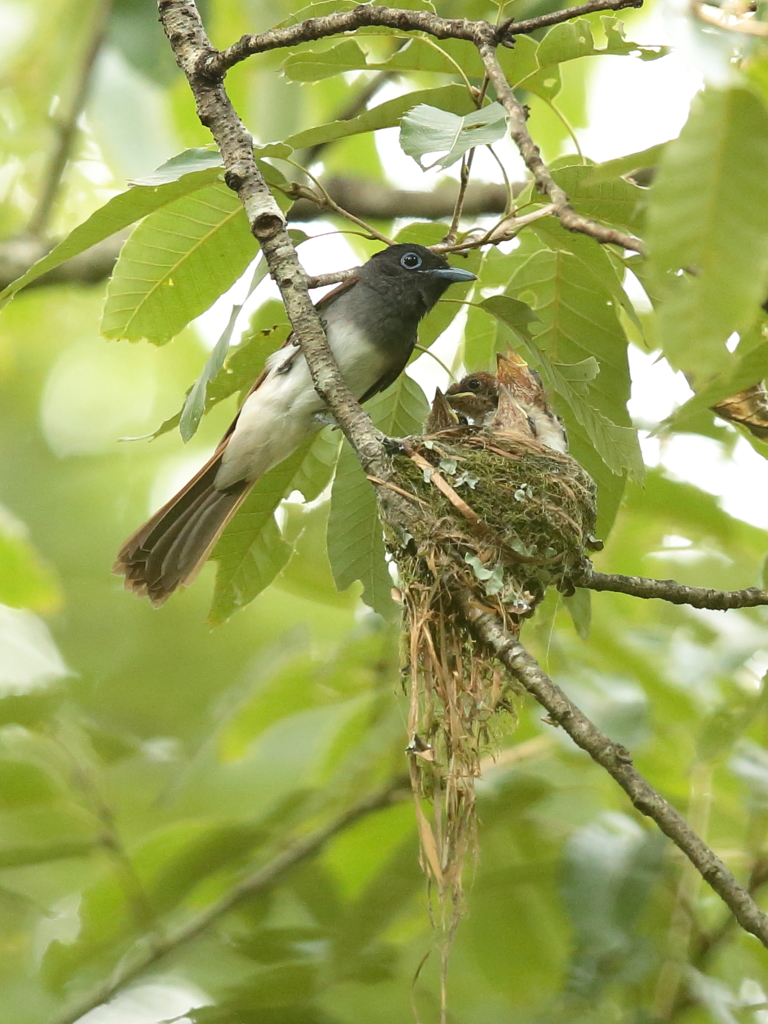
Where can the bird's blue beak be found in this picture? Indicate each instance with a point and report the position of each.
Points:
(454, 274)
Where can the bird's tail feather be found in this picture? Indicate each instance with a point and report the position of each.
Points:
(169, 550)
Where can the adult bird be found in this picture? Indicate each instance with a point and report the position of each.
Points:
(514, 400)
(370, 321)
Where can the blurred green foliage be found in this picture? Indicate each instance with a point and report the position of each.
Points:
(148, 763)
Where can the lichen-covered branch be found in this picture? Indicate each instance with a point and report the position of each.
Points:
(672, 591)
(191, 46)
(618, 763)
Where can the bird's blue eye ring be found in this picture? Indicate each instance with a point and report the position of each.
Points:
(411, 261)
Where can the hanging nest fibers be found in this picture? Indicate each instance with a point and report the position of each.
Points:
(497, 518)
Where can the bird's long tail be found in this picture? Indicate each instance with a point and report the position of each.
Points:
(171, 547)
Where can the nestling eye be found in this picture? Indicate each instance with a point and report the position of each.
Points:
(411, 261)
(473, 385)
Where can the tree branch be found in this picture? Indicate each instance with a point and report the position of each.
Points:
(68, 126)
(131, 967)
(533, 161)
(618, 763)
(672, 591)
(365, 199)
(390, 17)
(510, 27)
(192, 49)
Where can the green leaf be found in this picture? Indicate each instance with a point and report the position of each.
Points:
(709, 217)
(385, 115)
(25, 580)
(574, 314)
(609, 869)
(571, 40)
(316, 470)
(189, 162)
(612, 200)
(428, 129)
(515, 314)
(118, 213)
(626, 164)
(573, 294)
(355, 542)
(251, 551)
(747, 365)
(195, 403)
(417, 54)
(579, 605)
(176, 263)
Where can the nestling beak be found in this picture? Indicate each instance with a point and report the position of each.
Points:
(511, 367)
(453, 274)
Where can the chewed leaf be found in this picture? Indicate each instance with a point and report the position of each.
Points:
(428, 129)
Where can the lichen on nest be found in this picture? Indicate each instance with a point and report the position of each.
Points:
(514, 513)
(496, 518)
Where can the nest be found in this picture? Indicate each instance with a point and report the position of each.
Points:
(497, 519)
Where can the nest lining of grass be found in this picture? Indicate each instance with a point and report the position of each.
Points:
(497, 518)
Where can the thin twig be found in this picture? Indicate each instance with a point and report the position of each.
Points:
(531, 154)
(218, 63)
(398, 490)
(510, 27)
(260, 880)
(672, 591)
(618, 763)
(67, 131)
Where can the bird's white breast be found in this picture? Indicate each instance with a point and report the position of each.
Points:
(282, 412)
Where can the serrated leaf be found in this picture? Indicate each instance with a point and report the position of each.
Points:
(708, 216)
(747, 365)
(385, 115)
(427, 129)
(355, 542)
(202, 159)
(251, 551)
(314, 65)
(574, 300)
(612, 200)
(316, 470)
(571, 40)
(176, 263)
(417, 54)
(118, 213)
